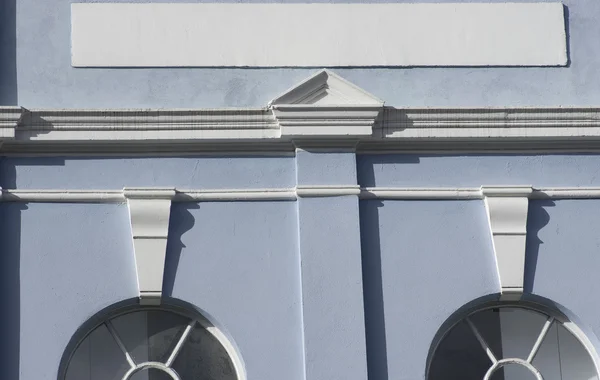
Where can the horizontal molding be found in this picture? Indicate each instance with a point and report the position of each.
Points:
(419, 193)
(327, 191)
(288, 194)
(96, 132)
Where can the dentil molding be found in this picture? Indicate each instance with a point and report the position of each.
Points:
(149, 211)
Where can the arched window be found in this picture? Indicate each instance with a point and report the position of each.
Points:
(152, 344)
(513, 342)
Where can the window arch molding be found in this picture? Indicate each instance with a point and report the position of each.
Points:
(170, 306)
(553, 312)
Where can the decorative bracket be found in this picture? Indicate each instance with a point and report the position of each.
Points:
(507, 208)
(149, 211)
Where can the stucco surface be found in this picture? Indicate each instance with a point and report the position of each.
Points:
(332, 292)
(238, 263)
(62, 256)
(322, 168)
(40, 46)
(422, 261)
(562, 257)
(476, 170)
(116, 173)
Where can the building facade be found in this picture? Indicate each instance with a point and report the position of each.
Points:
(308, 191)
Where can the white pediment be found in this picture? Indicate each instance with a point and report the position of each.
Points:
(326, 88)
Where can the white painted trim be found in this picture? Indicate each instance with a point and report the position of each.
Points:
(326, 88)
(317, 35)
(149, 211)
(507, 209)
(326, 121)
(287, 194)
(419, 193)
(9, 119)
(235, 195)
(303, 116)
(327, 191)
(264, 130)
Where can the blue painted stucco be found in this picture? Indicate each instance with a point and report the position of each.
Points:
(118, 172)
(334, 328)
(325, 168)
(422, 261)
(39, 40)
(238, 262)
(63, 263)
(539, 170)
(331, 287)
(562, 257)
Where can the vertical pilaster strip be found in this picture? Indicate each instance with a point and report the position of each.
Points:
(149, 212)
(331, 267)
(507, 208)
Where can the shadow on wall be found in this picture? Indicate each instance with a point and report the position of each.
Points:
(180, 222)
(368, 164)
(10, 283)
(8, 52)
(537, 219)
(377, 366)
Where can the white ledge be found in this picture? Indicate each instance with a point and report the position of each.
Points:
(327, 191)
(282, 194)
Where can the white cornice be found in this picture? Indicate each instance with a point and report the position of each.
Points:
(180, 131)
(324, 110)
(9, 119)
(284, 194)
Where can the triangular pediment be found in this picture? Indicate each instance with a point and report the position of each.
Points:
(326, 88)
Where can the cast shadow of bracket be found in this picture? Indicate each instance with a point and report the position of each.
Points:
(180, 222)
(537, 219)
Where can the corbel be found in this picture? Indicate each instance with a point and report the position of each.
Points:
(149, 212)
(507, 208)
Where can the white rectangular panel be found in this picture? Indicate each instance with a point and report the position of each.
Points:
(308, 35)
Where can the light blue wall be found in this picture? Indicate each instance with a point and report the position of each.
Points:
(325, 168)
(476, 170)
(116, 173)
(322, 287)
(64, 264)
(238, 262)
(45, 78)
(331, 270)
(422, 261)
(563, 257)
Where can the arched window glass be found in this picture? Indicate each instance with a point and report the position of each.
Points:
(511, 343)
(151, 344)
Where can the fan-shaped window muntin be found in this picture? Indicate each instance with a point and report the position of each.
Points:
(179, 346)
(497, 361)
